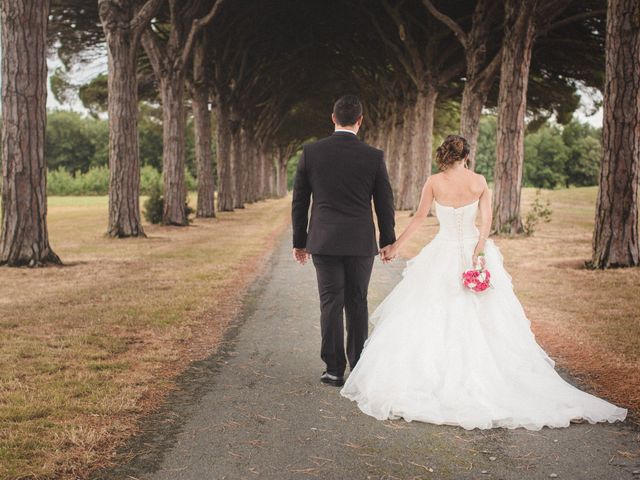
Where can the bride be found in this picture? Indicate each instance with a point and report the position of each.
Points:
(445, 355)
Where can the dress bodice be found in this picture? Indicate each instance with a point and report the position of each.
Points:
(457, 223)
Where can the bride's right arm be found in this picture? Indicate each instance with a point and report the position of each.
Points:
(426, 199)
(486, 219)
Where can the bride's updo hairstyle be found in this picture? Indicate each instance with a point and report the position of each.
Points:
(454, 149)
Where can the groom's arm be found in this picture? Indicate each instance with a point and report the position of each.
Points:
(383, 201)
(300, 205)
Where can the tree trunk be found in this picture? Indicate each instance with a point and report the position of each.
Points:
(480, 77)
(169, 56)
(246, 154)
(124, 157)
(203, 134)
(226, 176)
(474, 96)
(470, 113)
(273, 186)
(259, 178)
(267, 173)
(204, 157)
(615, 238)
(257, 169)
(423, 146)
(251, 163)
(239, 167)
(407, 168)
(282, 177)
(393, 154)
(24, 239)
(415, 153)
(257, 184)
(122, 23)
(512, 105)
(124, 160)
(173, 136)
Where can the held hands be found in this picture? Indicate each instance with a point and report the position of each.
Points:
(301, 255)
(389, 253)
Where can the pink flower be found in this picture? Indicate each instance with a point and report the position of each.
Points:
(476, 280)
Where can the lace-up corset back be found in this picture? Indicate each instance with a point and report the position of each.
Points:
(457, 223)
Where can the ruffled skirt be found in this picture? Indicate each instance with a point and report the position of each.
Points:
(444, 355)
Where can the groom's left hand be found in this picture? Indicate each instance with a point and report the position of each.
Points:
(301, 255)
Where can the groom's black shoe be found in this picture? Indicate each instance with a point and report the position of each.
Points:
(332, 379)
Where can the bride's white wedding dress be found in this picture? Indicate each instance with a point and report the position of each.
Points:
(442, 354)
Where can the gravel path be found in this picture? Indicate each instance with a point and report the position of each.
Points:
(257, 410)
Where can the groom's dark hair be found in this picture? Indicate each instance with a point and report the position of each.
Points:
(347, 110)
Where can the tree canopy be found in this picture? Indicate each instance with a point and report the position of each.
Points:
(280, 65)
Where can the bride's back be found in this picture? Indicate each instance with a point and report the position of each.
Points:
(457, 186)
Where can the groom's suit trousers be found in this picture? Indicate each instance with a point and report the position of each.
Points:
(343, 282)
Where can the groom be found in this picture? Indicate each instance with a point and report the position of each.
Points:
(342, 174)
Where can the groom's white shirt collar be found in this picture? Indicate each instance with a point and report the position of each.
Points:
(344, 130)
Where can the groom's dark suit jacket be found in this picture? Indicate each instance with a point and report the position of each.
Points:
(343, 174)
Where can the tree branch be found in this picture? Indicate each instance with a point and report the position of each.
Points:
(393, 46)
(549, 10)
(448, 21)
(144, 16)
(488, 74)
(571, 19)
(154, 52)
(405, 37)
(197, 25)
(455, 68)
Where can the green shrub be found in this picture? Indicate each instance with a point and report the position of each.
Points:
(150, 178)
(190, 181)
(539, 213)
(188, 210)
(154, 204)
(60, 182)
(94, 182)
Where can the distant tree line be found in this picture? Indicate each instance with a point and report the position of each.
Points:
(77, 152)
(555, 155)
(77, 143)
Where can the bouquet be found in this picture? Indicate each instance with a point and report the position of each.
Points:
(477, 279)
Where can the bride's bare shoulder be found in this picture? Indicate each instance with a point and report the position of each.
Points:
(432, 180)
(434, 177)
(479, 183)
(478, 178)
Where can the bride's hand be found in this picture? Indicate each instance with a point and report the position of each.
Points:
(478, 252)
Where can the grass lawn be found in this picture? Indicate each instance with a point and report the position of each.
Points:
(587, 320)
(87, 348)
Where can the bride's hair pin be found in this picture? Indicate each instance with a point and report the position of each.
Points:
(454, 149)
